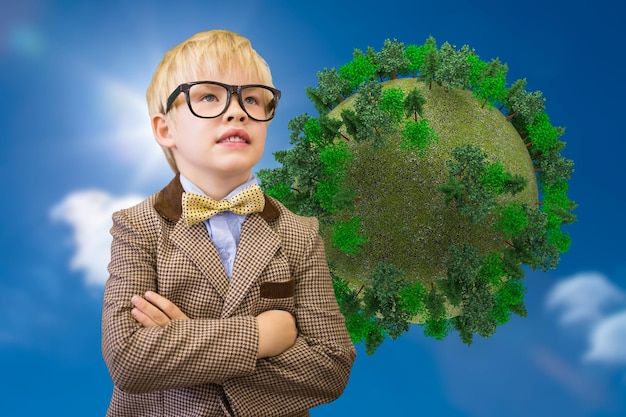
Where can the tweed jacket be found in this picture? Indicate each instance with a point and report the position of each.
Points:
(207, 366)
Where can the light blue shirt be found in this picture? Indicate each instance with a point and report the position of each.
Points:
(224, 228)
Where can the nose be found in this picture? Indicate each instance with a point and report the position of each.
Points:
(235, 111)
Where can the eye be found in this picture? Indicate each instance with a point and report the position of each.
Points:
(251, 100)
(211, 98)
(207, 94)
(254, 96)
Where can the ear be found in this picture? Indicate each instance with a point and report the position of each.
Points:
(162, 130)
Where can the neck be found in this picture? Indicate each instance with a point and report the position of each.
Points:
(218, 187)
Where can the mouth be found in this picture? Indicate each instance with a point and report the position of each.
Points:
(233, 139)
(234, 136)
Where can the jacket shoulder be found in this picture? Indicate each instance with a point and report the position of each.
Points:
(140, 210)
(287, 219)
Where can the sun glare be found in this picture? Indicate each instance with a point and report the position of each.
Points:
(129, 137)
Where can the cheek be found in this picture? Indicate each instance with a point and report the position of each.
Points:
(260, 139)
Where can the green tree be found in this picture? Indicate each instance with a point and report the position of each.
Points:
(312, 132)
(492, 270)
(453, 191)
(532, 247)
(277, 183)
(375, 123)
(494, 68)
(361, 69)
(383, 296)
(490, 83)
(509, 298)
(475, 72)
(462, 264)
(358, 327)
(553, 167)
(296, 127)
(414, 104)
(320, 104)
(477, 316)
(354, 126)
(436, 324)
(473, 184)
(454, 68)
(556, 194)
(415, 55)
(412, 298)
(543, 136)
(492, 89)
(347, 298)
(347, 236)
(498, 181)
(445, 69)
(330, 129)
(432, 62)
(374, 339)
(392, 102)
(418, 136)
(335, 163)
(392, 59)
(512, 219)
(525, 107)
(467, 189)
(372, 55)
(511, 95)
(557, 208)
(331, 89)
(469, 285)
(296, 181)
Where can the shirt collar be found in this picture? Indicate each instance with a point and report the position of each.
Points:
(190, 187)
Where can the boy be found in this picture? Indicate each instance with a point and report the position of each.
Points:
(229, 315)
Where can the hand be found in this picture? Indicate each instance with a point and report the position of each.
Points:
(277, 332)
(155, 310)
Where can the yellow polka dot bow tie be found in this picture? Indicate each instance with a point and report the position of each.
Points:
(198, 208)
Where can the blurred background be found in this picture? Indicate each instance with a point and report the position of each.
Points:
(78, 145)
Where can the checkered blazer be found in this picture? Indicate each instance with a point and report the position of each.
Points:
(207, 366)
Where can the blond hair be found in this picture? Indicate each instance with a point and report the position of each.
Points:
(206, 53)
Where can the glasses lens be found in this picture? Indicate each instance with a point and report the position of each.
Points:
(209, 100)
(259, 102)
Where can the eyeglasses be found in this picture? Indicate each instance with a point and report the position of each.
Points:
(210, 99)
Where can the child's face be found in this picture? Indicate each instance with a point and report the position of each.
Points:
(226, 147)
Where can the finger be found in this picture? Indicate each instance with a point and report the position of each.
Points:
(166, 306)
(152, 312)
(142, 318)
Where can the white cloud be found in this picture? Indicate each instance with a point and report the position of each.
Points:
(89, 213)
(584, 298)
(608, 341)
(590, 300)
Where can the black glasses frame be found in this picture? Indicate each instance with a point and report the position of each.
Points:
(232, 89)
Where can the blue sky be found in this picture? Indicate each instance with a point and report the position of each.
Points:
(77, 145)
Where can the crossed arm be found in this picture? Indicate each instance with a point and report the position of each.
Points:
(277, 328)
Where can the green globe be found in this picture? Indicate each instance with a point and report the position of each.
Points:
(436, 185)
(402, 213)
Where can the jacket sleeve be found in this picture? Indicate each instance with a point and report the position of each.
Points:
(316, 369)
(185, 352)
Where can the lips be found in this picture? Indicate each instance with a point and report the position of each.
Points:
(234, 136)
